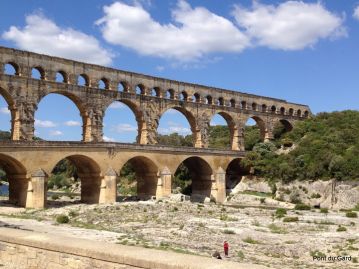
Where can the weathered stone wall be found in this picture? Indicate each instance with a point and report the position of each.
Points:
(21, 249)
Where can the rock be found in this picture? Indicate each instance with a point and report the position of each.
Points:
(179, 197)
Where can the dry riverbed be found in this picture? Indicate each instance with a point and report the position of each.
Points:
(256, 234)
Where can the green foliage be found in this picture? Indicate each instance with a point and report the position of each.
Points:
(341, 229)
(59, 180)
(324, 210)
(175, 139)
(226, 231)
(327, 146)
(5, 136)
(290, 219)
(252, 136)
(280, 212)
(62, 219)
(351, 214)
(302, 207)
(65, 167)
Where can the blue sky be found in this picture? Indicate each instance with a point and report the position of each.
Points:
(302, 51)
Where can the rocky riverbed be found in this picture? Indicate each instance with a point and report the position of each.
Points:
(256, 231)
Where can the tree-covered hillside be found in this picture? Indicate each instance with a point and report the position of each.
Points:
(325, 146)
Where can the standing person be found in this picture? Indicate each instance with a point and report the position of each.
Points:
(226, 248)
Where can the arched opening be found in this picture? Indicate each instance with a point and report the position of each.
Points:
(232, 103)
(5, 119)
(197, 98)
(221, 131)
(61, 77)
(175, 128)
(220, 101)
(156, 92)
(209, 100)
(138, 178)
(273, 109)
(122, 122)
(193, 178)
(243, 105)
(64, 126)
(254, 106)
(306, 114)
(234, 174)
(264, 108)
(11, 69)
(123, 86)
(83, 80)
(282, 110)
(13, 181)
(38, 72)
(183, 96)
(170, 94)
(291, 111)
(104, 84)
(280, 129)
(299, 113)
(75, 178)
(254, 132)
(140, 89)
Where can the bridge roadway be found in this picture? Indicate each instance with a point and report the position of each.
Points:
(28, 165)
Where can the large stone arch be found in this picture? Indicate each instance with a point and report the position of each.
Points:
(14, 114)
(196, 133)
(261, 125)
(147, 174)
(138, 113)
(80, 105)
(233, 128)
(234, 173)
(202, 176)
(16, 174)
(89, 173)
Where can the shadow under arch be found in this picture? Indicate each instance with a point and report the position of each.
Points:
(234, 174)
(89, 174)
(136, 110)
(200, 173)
(196, 136)
(146, 175)
(79, 103)
(14, 114)
(261, 125)
(16, 176)
(281, 127)
(233, 130)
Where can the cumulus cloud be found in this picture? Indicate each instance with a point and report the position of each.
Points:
(72, 123)
(174, 127)
(42, 35)
(291, 25)
(117, 105)
(4, 110)
(125, 128)
(193, 32)
(44, 123)
(108, 139)
(56, 133)
(356, 13)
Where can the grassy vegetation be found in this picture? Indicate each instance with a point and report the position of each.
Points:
(351, 214)
(290, 219)
(62, 219)
(302, 207)
(280, 212)
(250, 240)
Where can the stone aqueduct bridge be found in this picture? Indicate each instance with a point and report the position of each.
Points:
(28, 163)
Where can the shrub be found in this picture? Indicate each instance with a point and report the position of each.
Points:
(351, 214)
(324, 210)
(55, 197)
(356, 208)
(240, 254)
(290, 219)
(302, 207)
(250, 240)
(226, 231)
(62, 219)
(280, 212)
(315, 196)
(341, 229)
(262, 200)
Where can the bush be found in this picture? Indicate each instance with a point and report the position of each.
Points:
(290, 219)
(351, 215)
(62, 219)
(315, 196)
(226, 231)
(341, 229)
(55, 197)
(324, 210)
(250, 240)
(280, 212)
(302, 207)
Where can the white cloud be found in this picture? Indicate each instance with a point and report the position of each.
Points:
(160, 68)
(43, 36)
(193, 33)
(356, 13)
(108, 139)
(72, 123)
(44, 123)
(292, 25)
(174, 127)
(117, 105)
(125, 128)
(4, 110)
(56, 133)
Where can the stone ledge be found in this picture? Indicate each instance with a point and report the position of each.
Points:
(119, 254)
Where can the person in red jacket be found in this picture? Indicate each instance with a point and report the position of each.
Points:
(226, 248)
